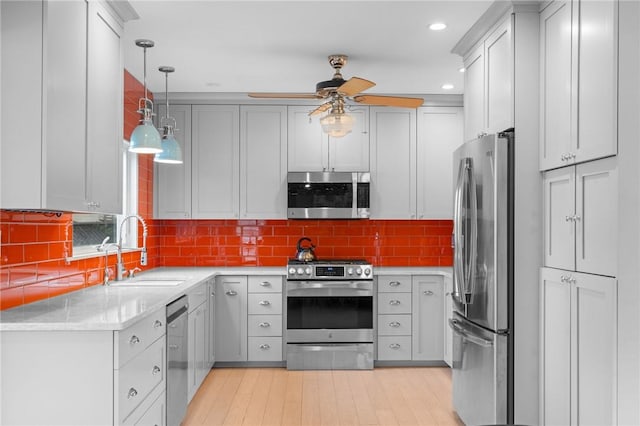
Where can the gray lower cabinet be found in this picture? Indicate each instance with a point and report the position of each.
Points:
(198, 337)
(428, 318)
(394, 318)
(231, 319)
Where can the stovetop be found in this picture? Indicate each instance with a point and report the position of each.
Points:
(330, 269)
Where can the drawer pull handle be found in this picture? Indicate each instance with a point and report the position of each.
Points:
(394, 283)
(428, 293)
(157, 324)
(394, 302)
(264, 324)
(134, 339)
(394, 324)
(231, 293)
(173, 347)
(155, 370)
(395, 346)
(265, 346)
(132, 393)
(213, 293)
(264, 303)
(265, 284)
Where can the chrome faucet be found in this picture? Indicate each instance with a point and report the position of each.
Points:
(143, 255)
(105, 248)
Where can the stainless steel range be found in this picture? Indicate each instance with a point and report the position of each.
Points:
(329, 315)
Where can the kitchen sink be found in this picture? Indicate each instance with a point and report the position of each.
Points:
(146, 283)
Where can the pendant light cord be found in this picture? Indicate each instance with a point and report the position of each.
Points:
(144, 49)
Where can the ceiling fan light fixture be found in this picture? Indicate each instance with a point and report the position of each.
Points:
(145, 138)
(337, 124)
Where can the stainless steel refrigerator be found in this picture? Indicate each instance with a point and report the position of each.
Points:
(482, 367)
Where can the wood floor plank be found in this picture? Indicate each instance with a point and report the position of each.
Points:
(278, 397)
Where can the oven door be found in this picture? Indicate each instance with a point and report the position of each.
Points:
(329, 312)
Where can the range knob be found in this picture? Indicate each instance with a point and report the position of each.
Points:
(307, 270)
(292, 271)
(367, 271)
(358, 271)
(350, 271)
(300, 271)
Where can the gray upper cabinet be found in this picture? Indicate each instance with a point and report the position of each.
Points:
(578, 82)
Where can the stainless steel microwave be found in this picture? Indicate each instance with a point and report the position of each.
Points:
(328, 195)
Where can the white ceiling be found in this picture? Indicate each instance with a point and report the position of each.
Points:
(282, 46)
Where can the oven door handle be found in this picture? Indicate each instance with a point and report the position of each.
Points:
(296, 285)
(329, 292)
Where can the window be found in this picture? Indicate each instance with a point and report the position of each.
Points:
(90, 229)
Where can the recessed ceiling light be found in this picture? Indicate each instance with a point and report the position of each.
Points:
(461, 69)
(447, 86)
(438, 26)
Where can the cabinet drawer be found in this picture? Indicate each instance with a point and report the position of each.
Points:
(265, 349)
(197, 296)
(395, 348)
(394, 284)
(394, 325)
(394, 303)
(265, 303)
(139, 377)
(265, 325)
(133, 340)
(265, 284)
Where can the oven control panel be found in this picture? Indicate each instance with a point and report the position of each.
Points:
(329, 271)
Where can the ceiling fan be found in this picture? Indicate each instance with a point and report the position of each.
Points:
(338, 89)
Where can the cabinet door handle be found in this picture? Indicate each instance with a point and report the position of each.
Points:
(134, 339)
(264, 324)
(155, 370)
(428, 293)
(394, 324)
(394, 283)
(231, 293)
(264, 303)
(132, 392)
(213, 293)
(394, 302)
(395, 346)
(173, 347)
(265, 284)
(157, 323)
(265, 346)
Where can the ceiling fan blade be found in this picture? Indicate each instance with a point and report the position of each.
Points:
(354, 86)
(285, 95)
(394, 101)
(322, 108)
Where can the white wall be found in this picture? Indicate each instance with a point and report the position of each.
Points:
(629, 214)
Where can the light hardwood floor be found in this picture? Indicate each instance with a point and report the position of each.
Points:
(275, 396)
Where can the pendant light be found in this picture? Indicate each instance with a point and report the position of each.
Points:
(145, 138)
(337, 123)
(171, 152)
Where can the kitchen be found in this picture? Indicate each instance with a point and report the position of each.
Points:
(217, 240)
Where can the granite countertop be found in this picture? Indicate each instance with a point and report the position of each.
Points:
(117, 307)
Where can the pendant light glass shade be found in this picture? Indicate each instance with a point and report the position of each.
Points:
(145, 138)
(171, 151)
(337, 123)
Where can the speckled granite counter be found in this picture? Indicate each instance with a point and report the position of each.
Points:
(113, 307)
(117, 307)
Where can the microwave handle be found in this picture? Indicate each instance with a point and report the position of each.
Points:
(354, 198)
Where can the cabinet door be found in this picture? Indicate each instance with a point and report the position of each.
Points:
(350, 153)
(498, 54)
(596, 76)
(474, 114)
(594, 354)
(428, 313)
(263, 162)
(196, 348)
(393, 164)
(231, 319)
(307, 147)
(172, 182)
(212, 322)
(215, 164)
(201, 344)
(440, 132)
(105, 91)
(597, 217)
(448, 313)
(66, 105)
(555, 84)
(559, 208)
(555, 324)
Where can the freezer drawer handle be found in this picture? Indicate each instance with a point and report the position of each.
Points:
(455, 326)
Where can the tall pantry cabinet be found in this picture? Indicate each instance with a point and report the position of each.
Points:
(578, 287)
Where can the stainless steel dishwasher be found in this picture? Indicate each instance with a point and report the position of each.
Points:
(177, 359)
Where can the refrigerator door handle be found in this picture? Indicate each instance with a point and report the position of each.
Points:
(457, 328)
(465, 218)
